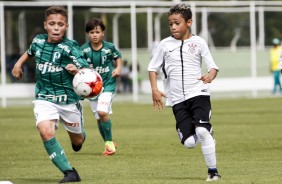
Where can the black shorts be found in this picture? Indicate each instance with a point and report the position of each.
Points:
(193, 112)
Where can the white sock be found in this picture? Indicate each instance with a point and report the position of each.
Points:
(208, 146)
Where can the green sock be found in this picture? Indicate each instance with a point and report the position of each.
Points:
(57, 154)
(84, 134)
(107, 127)
(101, 130)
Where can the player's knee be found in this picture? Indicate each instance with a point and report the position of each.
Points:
(190, 142)
(102, 114)
(202, 133)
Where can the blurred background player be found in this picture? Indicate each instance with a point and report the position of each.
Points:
(125, 78)
(57, 60)
(180, 58)
(100, 55)
(275, 52)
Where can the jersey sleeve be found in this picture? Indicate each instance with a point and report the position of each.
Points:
(78, 58)
(116, 53)
(157, 59)
(38, 39)
(207, 57)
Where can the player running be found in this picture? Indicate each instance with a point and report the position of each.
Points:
(180, 57)
(57, 60)
(103, 56)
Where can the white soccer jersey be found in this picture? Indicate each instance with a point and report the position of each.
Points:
(181, 62)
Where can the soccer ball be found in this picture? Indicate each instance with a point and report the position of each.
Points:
(87, 83)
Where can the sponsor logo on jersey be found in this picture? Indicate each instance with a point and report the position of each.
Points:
(58, 98)
(64, 47)
(100, 69)
(75, 61)
(107, 51)
(40, 41)
(86, 50)
(48, 67)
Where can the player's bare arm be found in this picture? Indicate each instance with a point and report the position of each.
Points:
(17, 71)
(156, 94)
(208, 78)
(117, 71)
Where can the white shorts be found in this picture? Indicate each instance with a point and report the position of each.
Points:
(70, 115)
(103, 103)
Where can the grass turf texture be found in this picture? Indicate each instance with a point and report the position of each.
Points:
(247, 131)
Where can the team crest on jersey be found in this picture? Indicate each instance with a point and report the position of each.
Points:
(192, 48)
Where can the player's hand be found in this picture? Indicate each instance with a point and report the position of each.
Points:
(116, 72)
(17, 72)
(158, 103)
(72, 69)
(206, 79)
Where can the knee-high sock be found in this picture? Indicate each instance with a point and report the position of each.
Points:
(57, 154)
(107, 128)
(208, 146)
(101, 130)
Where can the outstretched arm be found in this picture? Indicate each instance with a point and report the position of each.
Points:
(17, 71)
(156, 94)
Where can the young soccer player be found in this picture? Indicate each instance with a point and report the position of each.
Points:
(100, 55)
(57, 60)
(186, 89)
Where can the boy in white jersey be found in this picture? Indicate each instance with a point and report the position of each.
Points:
(100, 56)
(186, 89)
(57, 61)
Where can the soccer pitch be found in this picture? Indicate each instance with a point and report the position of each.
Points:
(247, 132)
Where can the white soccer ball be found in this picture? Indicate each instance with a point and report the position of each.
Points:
(87, 83)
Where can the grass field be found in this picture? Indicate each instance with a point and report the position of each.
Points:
(247, 132)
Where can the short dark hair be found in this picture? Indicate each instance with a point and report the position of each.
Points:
(56, 10)
(93, 23)
(182, 9)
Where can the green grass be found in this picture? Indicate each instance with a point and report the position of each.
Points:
(247, 131)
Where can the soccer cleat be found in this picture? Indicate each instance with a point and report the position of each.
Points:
(110, 148)
(213, 175)
(76, 148)
(70, 176)
(115, 144)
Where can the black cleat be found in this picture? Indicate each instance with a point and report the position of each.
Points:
(70, 176)
(213, 175)
(76, 148)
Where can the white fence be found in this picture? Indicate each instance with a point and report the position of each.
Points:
(133, 7)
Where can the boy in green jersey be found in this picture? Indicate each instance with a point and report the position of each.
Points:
(58, 59)
(100, 55)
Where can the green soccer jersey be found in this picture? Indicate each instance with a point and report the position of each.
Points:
(53, 81)
(103, 62)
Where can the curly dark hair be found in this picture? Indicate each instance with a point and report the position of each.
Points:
(182, 9)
